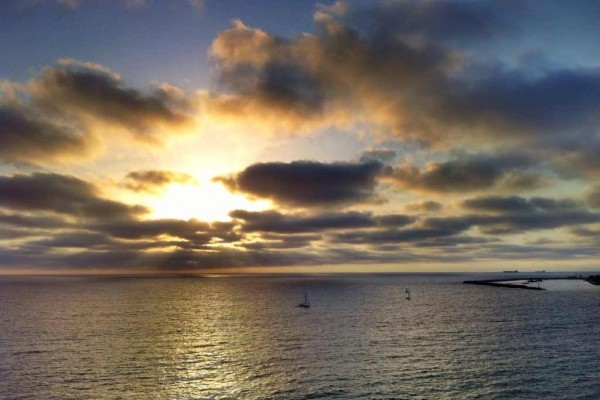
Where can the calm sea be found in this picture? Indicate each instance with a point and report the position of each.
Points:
(244, 338)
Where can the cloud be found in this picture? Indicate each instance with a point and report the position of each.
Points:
(468, 173)
(278, 241)
(576, 156)
(307, 183)
(273, 221)
(424, 206)
(384, 156)
(31, 221)
(60, 194)
(593, 197)
(194, 231)
(514, 214)
(28, 137)
(276, 222)
(396, 236)
(94, 94)
(404, 68)
(518, 204)
(72, 109)
(271, 238)
(584, 232)
(318, 80)
(154, 180)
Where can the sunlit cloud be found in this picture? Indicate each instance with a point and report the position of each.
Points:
(154, 180)
(73, 109)
(409, 77)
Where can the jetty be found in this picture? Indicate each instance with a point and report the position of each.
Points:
(500, 283)
(523, 282)
(594, 279)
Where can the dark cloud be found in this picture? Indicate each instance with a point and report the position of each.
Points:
(451, 224)
(585, 232)
(273, 221)
(593, 197)
(308, 183)
(273, 239)
(453, 241)
(394, 220)
(467, 174)
(84, 90)
(28, 137)
(88, 241)
(394, 236)
(520, 222)
(71, 109)
(499, 204)
(516, 214)
(60, 194)
(32, 221)
(11, 234)
(518, 204)
(576, 157)
(537, 252)
(154, 180)
(197, 232)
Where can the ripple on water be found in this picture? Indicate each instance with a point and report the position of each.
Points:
(243, 338)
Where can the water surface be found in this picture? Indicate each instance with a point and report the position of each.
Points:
(244, 338)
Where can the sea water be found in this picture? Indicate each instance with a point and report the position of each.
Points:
(243, 337)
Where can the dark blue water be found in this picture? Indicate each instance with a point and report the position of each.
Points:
(243, 338)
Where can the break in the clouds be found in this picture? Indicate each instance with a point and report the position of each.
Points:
(308, 183)
(153, 180)
(72, 109)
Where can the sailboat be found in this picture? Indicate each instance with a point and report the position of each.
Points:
(407, 294)
(305, 303)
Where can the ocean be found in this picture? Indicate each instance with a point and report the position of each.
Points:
(243, 337)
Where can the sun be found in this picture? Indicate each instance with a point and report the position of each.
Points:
(207, 201)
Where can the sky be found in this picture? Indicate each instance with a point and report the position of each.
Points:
(150, 136)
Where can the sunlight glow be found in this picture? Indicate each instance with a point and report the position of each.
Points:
(208, 201)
